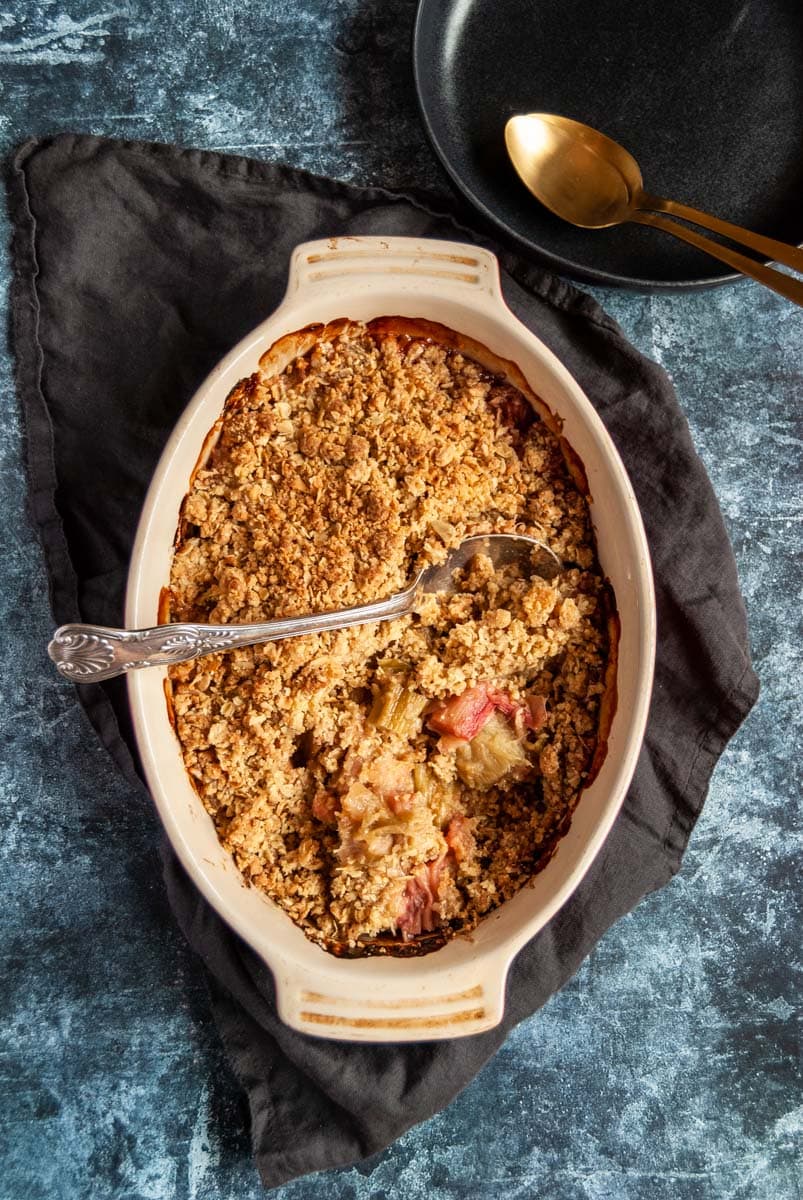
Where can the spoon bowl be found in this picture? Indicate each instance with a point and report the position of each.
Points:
(591, 181)
(576, 172)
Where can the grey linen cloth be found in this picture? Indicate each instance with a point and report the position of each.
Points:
(137, 267)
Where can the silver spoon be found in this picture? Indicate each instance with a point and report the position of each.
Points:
(90, 653)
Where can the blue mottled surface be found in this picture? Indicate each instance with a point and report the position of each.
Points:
(668, 1068)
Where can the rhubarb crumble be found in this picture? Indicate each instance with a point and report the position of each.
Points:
(389, 785)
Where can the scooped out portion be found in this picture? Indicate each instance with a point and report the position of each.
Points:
(389, 785)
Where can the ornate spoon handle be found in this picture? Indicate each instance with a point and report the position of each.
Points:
(90, 653)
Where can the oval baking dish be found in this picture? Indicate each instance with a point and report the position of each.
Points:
(458, 989)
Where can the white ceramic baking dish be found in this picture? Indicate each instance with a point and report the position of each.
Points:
(460, 988)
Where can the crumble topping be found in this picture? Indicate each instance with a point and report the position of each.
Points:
(391, 783)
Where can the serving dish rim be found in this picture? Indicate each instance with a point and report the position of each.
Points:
(498, 957)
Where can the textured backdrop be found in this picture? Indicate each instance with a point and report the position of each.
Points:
(668, 1068)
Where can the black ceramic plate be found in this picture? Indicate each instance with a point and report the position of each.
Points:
(707, 94)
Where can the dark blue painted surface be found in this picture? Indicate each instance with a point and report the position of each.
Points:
(668, 1068)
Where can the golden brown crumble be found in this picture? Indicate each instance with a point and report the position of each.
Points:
(404, 778)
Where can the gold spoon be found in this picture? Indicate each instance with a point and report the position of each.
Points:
(586, 178)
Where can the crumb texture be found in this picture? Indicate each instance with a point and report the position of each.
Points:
(390, 784)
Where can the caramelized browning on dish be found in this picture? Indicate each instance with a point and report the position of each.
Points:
(388, 785)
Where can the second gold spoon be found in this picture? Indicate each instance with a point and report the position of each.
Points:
(591, 181)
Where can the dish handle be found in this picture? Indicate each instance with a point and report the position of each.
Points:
(393, 1001)
(448, 268)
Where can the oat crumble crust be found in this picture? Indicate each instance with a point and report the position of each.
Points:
(332, 483)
